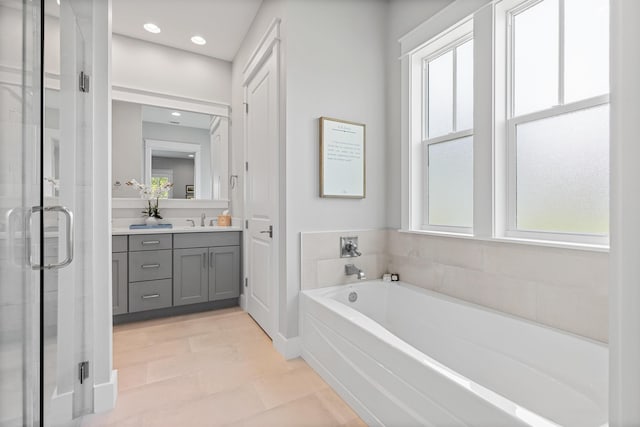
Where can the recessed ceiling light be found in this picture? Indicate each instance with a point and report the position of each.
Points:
(176, 114)
(152, 28)
(192, 155)
(58, 1)
(198, 40)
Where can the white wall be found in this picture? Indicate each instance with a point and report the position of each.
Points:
(336, 62)
(625, 209)
(333, 54)
(151, 67)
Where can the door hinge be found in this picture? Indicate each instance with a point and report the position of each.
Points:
(84, 81)
(83, 371)
(246, 282)
(246, 166)
(246, 223)
(246, 107)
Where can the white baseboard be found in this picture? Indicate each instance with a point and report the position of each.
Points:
(243, 301)
(61, 408)
(106, 394)
(288, 347)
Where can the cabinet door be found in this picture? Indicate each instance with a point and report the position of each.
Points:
(224, 272)
(119, 282)
(190, 276)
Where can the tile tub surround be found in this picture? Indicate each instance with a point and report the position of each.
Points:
(321, 263)
(562, 288)
(210, 369)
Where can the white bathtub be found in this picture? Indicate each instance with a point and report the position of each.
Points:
(404, 356)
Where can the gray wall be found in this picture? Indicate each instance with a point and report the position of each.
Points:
(182, 173)
(127, 149)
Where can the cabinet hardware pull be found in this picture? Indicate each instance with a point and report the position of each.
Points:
(151, 242)
(150, 296)
(150, 265)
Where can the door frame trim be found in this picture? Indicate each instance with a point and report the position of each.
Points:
(269, 45)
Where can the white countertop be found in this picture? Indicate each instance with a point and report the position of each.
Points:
(123, 231)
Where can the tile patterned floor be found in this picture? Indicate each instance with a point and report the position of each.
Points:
(213, 369)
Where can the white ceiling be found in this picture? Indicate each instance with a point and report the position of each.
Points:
(187, 118)
(223, 23)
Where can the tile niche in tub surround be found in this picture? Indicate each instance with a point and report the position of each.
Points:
(321, 263)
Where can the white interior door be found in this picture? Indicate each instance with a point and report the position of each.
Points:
(262, 194)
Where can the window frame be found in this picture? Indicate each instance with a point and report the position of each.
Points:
(511, 122)
(456, 134)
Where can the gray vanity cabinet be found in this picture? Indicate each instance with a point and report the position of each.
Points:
(166, 274)
(223, 254)
(224, 272)
(190, 276)
(119, 281)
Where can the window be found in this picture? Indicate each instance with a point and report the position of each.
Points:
(160, 177)
(448, 137)
(558, 121)
(505, 122)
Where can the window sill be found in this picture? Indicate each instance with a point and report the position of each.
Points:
(513, 240)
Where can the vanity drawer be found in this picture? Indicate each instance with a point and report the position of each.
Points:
(150, 265)
(149, 295)
(149, 242)
(119, 244)
(206, 240)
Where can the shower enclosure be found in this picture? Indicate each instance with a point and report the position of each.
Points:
(45, 211)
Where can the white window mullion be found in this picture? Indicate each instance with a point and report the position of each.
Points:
(425, 99)
(454, 124)
(512, 194)
(425, 189)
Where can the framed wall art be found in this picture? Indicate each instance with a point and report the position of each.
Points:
(342, 159)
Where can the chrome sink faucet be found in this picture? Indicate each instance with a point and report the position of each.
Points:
(350, 269)
(193, 223)
(203, 216)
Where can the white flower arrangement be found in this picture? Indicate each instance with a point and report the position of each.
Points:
(150, 193)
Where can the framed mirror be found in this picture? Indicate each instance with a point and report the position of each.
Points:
(154, 144)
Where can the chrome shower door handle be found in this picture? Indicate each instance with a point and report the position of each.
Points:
(69, 237)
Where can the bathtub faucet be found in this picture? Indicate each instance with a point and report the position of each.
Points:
(350, 269)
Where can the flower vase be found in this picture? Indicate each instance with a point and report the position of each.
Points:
(151, 220)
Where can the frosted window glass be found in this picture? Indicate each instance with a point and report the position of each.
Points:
(451, 183)
(440, 115)
(563, 173)
(535, 63)
(586, 49)
(464, 86)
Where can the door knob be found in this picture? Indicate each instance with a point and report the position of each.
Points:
(269, 231)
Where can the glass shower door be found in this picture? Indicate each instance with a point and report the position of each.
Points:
(20, 192)
(45, 195)
(67, 179)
